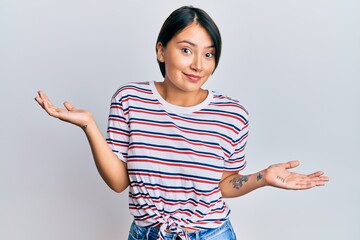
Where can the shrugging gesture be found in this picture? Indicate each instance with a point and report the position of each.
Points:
(277, 175)
(173, 133)
(110, 167)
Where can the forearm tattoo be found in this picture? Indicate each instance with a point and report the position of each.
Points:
(259, 177)
(238, 181)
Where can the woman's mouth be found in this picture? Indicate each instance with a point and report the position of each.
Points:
(193, 78)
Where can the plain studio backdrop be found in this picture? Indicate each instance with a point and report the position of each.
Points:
(295, 65)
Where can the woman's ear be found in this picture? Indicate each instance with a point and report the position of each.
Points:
(160, 52)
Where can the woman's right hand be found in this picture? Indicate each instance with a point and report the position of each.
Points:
(111, 169)
(69, 114)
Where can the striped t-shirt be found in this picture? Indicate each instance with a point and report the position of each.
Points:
(176, 155)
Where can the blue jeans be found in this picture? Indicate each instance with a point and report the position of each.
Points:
(224, 232)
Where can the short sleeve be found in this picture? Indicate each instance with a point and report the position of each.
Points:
(118, 129)
(236, 161)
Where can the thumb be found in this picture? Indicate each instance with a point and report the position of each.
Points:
(69, 106)
(292, 164)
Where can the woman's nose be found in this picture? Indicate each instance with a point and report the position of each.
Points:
(196, 64)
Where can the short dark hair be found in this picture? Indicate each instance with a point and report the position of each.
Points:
(180, 19)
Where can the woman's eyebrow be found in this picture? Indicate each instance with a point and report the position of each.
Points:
(193, 44)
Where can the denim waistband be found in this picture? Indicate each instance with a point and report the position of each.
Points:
(225, 231)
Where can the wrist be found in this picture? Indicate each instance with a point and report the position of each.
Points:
(265, 177)
(87, 122)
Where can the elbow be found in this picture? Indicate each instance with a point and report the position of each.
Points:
(117, 184)
(226, 194)
(120, 186)
(118, 189)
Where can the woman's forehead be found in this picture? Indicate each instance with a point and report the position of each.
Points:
(195, 35)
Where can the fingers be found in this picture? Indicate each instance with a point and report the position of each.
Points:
(318, 178)
(311, 184)
(69, 106)
(301, 185)
(51, 109)
(46, 104)
(308, 181)
(39, 100)
(316, 174)
(42, 98)
(305, 186)
(292, 164)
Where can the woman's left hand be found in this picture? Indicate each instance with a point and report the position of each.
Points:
(277, 175)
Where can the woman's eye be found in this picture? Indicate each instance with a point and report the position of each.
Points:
(209, 55)
(186, 50)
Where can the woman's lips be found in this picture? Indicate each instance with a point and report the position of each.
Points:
(193, 78)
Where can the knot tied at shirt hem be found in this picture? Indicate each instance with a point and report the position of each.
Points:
(171, 226)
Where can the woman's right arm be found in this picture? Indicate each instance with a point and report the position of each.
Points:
(110, 167)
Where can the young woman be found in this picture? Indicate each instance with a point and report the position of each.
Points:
(177, 146)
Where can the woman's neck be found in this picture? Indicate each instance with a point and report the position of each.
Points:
(177, 97)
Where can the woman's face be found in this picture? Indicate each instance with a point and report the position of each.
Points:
(189, 58)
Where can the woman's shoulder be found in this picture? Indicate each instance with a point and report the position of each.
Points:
(132, 88)
(227, 103)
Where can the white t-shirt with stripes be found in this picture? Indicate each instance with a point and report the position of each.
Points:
(176, 155)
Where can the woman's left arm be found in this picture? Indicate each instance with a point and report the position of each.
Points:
(233, 184)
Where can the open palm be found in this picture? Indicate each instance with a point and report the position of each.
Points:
(68, 114)
(278, 175)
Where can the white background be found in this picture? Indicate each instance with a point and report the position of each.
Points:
(295, 65)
